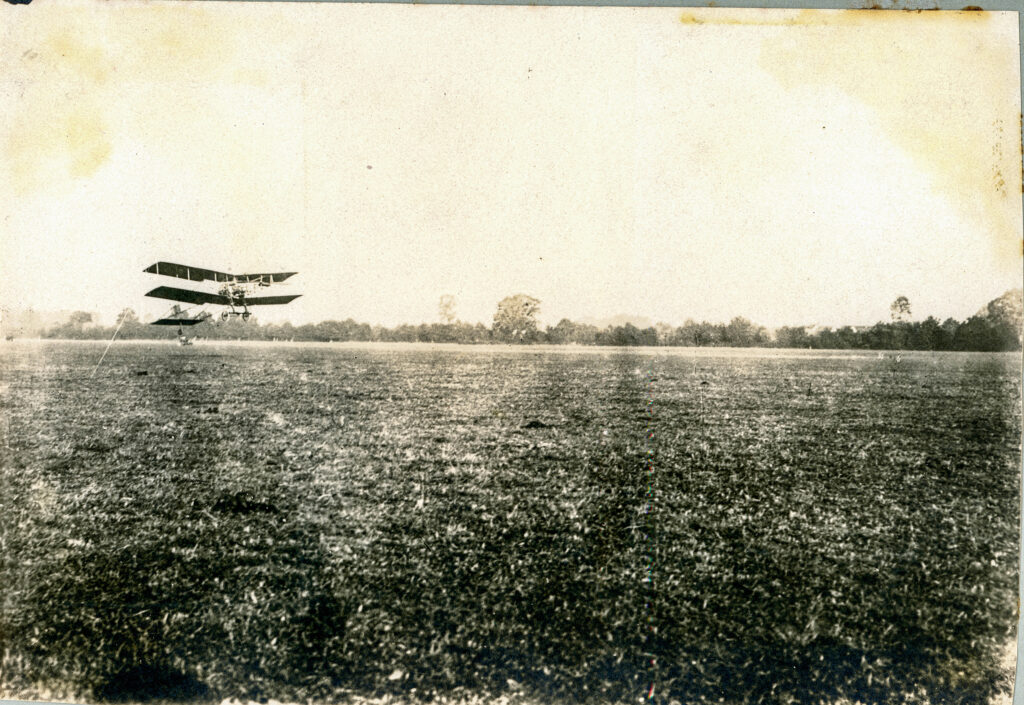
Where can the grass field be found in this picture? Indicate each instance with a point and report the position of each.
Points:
(316, 522)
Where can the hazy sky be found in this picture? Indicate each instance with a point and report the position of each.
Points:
(792, 167)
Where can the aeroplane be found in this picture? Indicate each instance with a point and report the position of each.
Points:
(235, 292)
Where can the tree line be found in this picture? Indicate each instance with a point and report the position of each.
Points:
(997, 327)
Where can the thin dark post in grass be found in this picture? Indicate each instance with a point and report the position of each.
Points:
(703, 426)
(702, 406)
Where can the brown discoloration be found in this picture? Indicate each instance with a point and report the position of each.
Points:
(61, 132)
(75, 143)
(947, 108)
(87, 143)
(865, 16)
(70, 56)
(896, 6)
(83, 85)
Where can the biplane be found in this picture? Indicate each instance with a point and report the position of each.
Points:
(233, 291)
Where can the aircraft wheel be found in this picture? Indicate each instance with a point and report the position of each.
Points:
(224, 315)
(245, 316)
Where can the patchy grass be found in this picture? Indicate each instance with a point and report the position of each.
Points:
(315, 522)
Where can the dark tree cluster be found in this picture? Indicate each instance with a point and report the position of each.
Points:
(997, 327)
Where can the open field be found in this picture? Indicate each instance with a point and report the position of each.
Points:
(314, 521)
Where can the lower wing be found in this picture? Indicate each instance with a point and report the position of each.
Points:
(267, 300)
(188, 296)
(177, 321)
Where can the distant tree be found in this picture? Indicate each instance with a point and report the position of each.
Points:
(127, 317)
(742, 333)
(516, 319)
(585, 334)
(560, 333)
(425, 333)
(130, 326)
(949, 328)
(792, 337)
(977, 334)
(74, 327)
(899, 310)
(649, 336)
(480, 333)
(570, 332)
(665, 332)
(1009, 308)
(305, 332)
(628, 335)
(881, 336)
(709, 334)
(465, 333)
(446, 309)
(1006, 314)
(404, 333)
(928, 335)
(846, 338)
(80, 318)
(685, 335)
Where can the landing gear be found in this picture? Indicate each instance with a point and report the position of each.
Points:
(225, 315)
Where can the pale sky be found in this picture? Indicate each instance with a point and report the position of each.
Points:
(792, 167)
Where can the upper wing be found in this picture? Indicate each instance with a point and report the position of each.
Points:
(198, 274)
(267, 278)
(192, 273)
(188, 296)
(264, 300)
